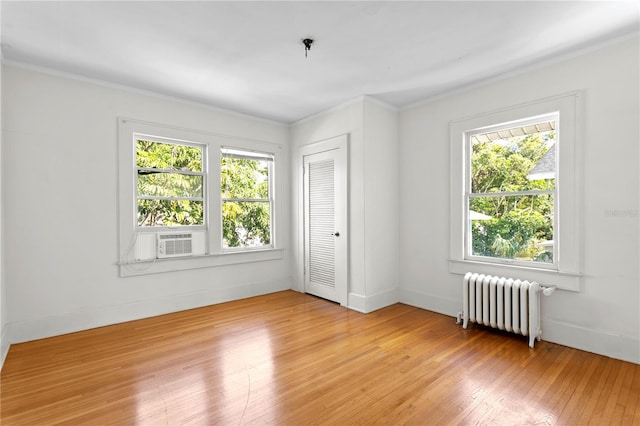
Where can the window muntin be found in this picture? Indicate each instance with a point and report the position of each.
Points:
(170, 188)
(511, 195)
(138, 245)
(246, 188)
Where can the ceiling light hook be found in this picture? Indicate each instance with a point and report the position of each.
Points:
(307, 45)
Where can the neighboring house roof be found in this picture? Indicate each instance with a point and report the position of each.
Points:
(528, 129)
(545, 168)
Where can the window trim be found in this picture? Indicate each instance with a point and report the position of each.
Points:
(205, 182)
(468, 194)
(129, 231)
(566, 273)
(252, 155)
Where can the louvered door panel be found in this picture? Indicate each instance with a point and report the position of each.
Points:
(321, 216)
(324, 191)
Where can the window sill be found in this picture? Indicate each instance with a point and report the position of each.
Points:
(154, 266)
(562, 280)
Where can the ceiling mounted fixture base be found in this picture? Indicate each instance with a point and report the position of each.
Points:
(307, 45)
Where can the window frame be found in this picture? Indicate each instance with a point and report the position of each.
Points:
(251, 155)
(566, 271)
(203, 173)
(468, 194)
(129, 233)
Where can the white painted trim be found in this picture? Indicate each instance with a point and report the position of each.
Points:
(338, 142)
(4, 348)
(383, 104)
(53, 325)
(381, 300)
(368, 304)
(357, 302)
(328, 144)
(563, 280)
(626, 348)
(327, 111)
(343, 105)
(215, 256)
(178, 132)
(145, 267)
(430, 302)
(536, 65)
(137, 91)
(569, 233)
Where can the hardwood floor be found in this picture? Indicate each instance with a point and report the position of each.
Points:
(289, 358)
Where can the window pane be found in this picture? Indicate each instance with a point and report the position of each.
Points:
(170, 212)
(512, 227)
(518, 163)
(168, 156)
(246, 224)
(244, 178)
(169, 184)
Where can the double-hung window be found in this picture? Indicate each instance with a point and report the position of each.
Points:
(510, 192)
(247, 198)
(170, 182)
(191, 199)
(515, 196)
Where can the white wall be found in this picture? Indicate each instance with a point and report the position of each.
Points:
(4, 341)
(61, 216)
(59, 194)
(342, 120)
(604, 317)
(382, 199)
(373, 239)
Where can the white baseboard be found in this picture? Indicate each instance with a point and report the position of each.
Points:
(54, 325)
(357, 302)
(599, 342)
(430, 302)
(367, 304)
(4, 344)
(625, 348)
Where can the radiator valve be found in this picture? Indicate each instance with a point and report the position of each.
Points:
(548, 290)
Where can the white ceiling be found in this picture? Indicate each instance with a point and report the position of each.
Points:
(249, 57)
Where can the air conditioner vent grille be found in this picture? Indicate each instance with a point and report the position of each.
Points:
(176, 247)
(173, 236)
(172, 245)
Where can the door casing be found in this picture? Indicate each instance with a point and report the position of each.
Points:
(338, 145)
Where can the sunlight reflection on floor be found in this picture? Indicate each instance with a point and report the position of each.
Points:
(247, 366)
(242, 369)
(488, 404)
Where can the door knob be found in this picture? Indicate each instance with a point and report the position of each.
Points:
(337, 234)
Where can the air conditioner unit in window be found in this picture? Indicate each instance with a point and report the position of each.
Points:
(174, 244)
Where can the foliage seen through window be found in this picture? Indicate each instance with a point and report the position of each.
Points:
(246, 199)
(170, 188)
(511, 202)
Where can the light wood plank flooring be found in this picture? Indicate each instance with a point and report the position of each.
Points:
(293, 359)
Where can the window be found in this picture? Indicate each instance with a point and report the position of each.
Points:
(170, 187)
(186, 200)
(245, 186)
(511, 190)
(515, 194)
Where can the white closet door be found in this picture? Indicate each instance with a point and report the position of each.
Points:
(325, 220)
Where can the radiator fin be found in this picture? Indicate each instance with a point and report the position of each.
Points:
(502, 303)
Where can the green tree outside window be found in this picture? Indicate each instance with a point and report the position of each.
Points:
(246, 201)
(505, 223)
(170, 190)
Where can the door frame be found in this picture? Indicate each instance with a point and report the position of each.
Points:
(340, 144)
